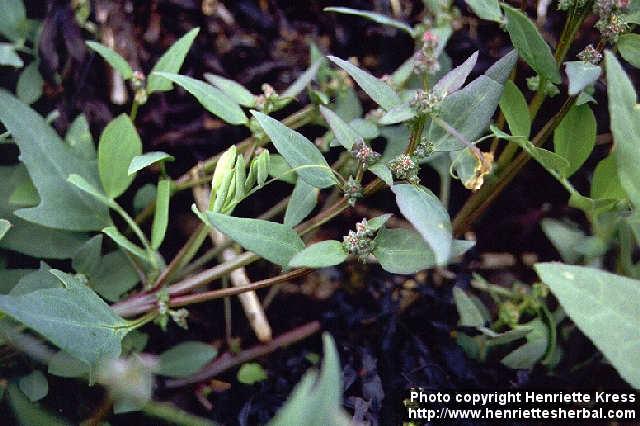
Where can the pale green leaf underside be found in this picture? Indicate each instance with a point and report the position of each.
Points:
(605, 306)
(170, 62)
(320, 255)
(139, 162)
(114, 59)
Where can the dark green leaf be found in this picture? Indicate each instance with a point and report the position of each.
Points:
(74, 318)
(232, 89)
(342, 131)
(29, 413)
(527, 355)
(377, 89)
(161, 216)
(170, 62)
(275, 242)
(625, 126)
(303, 80)
(470, 314)
(298, 151)
(575, 137)
(36, 280)
(12, 19)
(29, 88)
(565, 237)
(47, 159)
(372, 16)
(382, 171)
(113, 276)
(9, 57)
(530, 44)
(113, 233)
(606, 182)
(211, 98)
(5, 225)
(34, 385)
(486, 9)
(251, 373)
(64, 365)
(426, 213)
(139, 162)
(456, 78)
(119, 144)
(303, 200)
(606, 307)
(629, 47)
(113, 58)
(320, 255)
(515, 110)
(185, 359)
(402, 251)
(79, 138)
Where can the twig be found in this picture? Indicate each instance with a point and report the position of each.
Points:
(229, 360)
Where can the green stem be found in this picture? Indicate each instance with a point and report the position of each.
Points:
(151, 253)
(173, 415)
(134, 110)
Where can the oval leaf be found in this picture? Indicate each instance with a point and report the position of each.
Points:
(303, 200)
(119, 144)
(185, 359)
(320, 255)
(575, 137)
(234, 90)
(170, 62)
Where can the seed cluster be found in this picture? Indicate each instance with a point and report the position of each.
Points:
(352, 191)
(427, 102)
(360, 242)
(403, 167)
(364, 153)
(590, 54)
(426, 59)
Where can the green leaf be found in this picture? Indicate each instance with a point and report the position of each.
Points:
(606, 182)
(501, 70)
(455, 79)
(37, 280)
(251, 373)
(79, 182)
(185, 359)
(161, 216)
(29, 88)
(275, 242)
(378, 222)
(342, 131)
(144, 196)
(605, 306)
(113, 233)
(575, 137)
(64, 365)
(303, 200)
(9, 57)
(79, 138)
(119, 144)
(232, 89)
(211, 98)
(402, 251)
(302, 81)
(170, 62)
(514, 107)
(566, 238)
(398, 114)
(29, 413)
(298, 151)
(74, 318)
(470, 314)
(426, 213)
(625, 126)
(377, 89)
(5, 225)
(372, 16)
(317, 398)
(486, 9)
(525, 357)
(497, 339)
(113, 58)
(382, 171)
(629, 47)
(530, 44)
(47, 159)
(34, 385)
(139, 162)
(581, 74)
(320, 255)
(113, 276)
(12, 19)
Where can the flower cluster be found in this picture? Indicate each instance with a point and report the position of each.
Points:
(352, 191)
(426, 59)
(427, 101)
(424, 149)
(590, 54)
(138, 84)
(364, 153)
(360, 241)
(611, 23)
(404, 167)
(269, 100)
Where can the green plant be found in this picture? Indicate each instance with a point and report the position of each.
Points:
(65, 193)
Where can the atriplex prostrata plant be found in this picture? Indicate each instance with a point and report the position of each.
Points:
(63, 192)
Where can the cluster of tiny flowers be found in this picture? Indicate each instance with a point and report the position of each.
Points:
(138, 84)
(426, 59)
(426, 102)
(360, 241)
(352, 191)
(267, 98)
(424, 149)
(611, 23)
(403, 167)
(364, 153)
(590, 54)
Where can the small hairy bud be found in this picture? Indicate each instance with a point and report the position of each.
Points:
(360, 241)
(427, 102)
(352, 191)
(403, 167)
(364, 153)
(590, 54)
(424, 149)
